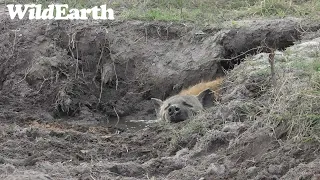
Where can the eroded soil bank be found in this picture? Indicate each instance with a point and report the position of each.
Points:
(62, 85)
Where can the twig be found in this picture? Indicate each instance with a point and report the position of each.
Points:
(115, 72)
(71, 41)
(24, 78)
(101, 88)
(271, 61)
(98, 65)
(77, 64)
(158, 31)
(146, 34)
(44, 80)
(14, 40)
(244, 53)
(118, 117)
(92, 176)
(113, 64)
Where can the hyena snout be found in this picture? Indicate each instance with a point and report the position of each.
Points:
(174, 110)
(181, 107)
(176, 113)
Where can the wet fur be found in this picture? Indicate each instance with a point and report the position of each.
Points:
(198, 88)
(188, 102)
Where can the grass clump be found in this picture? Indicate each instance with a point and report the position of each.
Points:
(296, 98)
(185, 134)
(294, 101)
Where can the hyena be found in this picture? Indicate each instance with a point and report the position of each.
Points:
(188, 102)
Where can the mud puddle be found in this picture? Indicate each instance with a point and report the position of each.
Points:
(114, 124)
(128, 124)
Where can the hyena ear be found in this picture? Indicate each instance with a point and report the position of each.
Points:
(206, 98)
(157, 103)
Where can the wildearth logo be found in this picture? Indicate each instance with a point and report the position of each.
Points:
(59, 12)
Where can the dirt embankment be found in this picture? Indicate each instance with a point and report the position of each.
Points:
(60, 83)
(74, 69)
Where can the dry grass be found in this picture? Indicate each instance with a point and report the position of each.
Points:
(184, 137)
(294, 100)
(185, 134)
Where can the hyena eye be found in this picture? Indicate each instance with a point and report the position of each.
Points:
(186, 104)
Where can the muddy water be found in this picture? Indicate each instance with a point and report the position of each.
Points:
(128, 124)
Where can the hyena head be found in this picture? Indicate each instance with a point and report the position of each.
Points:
(180, 107)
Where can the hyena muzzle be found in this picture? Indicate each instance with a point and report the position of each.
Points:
(181, 107)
